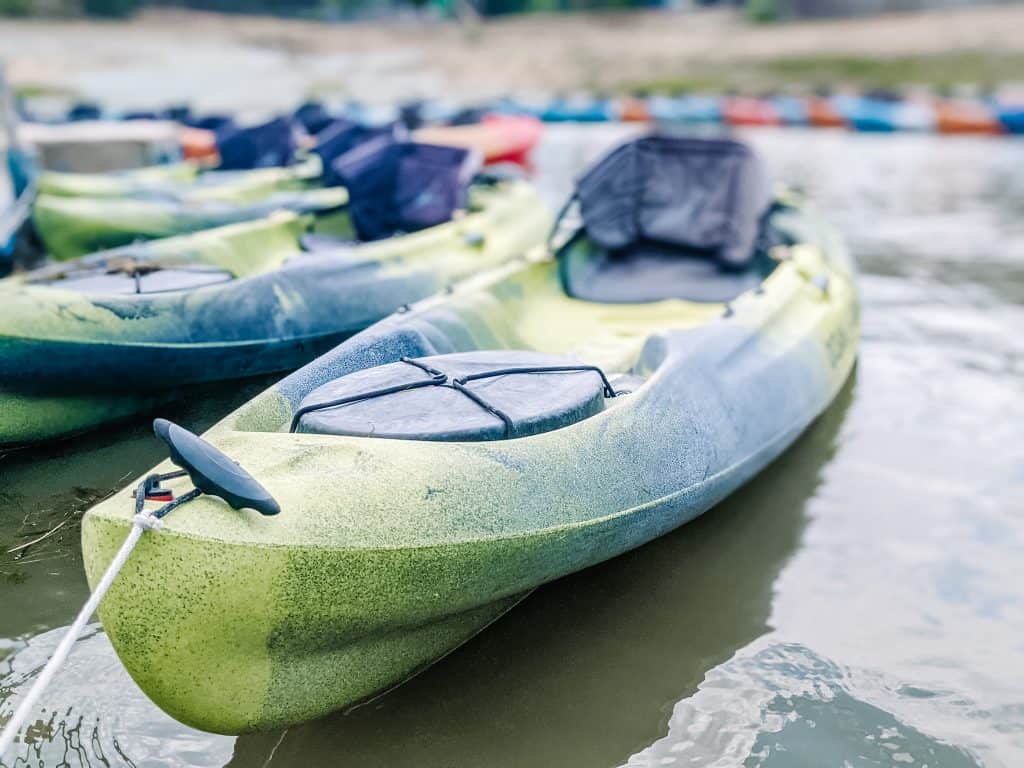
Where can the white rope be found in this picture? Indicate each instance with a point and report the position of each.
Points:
(141, 523)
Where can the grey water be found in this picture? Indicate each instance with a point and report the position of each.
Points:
(860, 603)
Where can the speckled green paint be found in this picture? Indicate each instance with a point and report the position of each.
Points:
(74, 226)
(28, 419)
(387, 554)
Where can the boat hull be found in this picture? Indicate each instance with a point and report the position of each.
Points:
(389, 553)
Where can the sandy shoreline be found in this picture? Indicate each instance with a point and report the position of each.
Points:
(252, 61)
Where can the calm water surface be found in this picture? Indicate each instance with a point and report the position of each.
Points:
(861, 603)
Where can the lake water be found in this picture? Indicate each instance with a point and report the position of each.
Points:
(860, 603)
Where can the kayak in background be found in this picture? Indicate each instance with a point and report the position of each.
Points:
(577, 109)
(78, 214)
(498, 138)
(255, 162)
(887, 115)
(692, 109)
(400, 493)
(632, 109)
(791, 110)
(74, 226)
(965, 116)
(199, 145)
(1011, 117)
(746, 111)
(17, 180)
(105, 336)
(823, 112)
(91, 146)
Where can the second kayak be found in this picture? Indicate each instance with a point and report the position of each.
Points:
(98, 338)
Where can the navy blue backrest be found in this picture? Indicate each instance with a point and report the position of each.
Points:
(700, 194)
(313, 117)
(260, 146)
(404, 186)
(340, 137)
(219, 124)
(84, 110)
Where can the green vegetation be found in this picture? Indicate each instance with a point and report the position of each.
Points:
(762, 11)
(111, 8)
(15, 7)
(937, 70)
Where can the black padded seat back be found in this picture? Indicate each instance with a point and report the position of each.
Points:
(341, 136)
(404, 186)
(312, 116)
(702, 195)
(260, 146)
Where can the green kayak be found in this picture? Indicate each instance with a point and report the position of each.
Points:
(186, 180)
(72, 226)
(77, 213)
(409, 487)
(99, 338)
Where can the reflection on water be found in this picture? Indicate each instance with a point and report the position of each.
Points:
(96, 715)
(779, 705)
(589, 661)
(858, 604)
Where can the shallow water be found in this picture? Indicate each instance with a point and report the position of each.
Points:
(859, 603)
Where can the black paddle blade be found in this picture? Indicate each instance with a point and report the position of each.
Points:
(212, 471)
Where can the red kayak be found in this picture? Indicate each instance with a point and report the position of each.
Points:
(499, 138)
(200, 145)
(634, 110)
(822, 113)
(957, 116)
(742, 110)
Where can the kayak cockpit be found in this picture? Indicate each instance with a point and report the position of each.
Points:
(670, 231)
(650, 271)
(187, 262)
(670, 218)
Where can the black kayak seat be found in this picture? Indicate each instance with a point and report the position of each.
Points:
(313, 116)
(404, 186)
(340, 136)
(219, 124)
(260, 146)
(422, 399)
(669, 217)
(157, 281)
(649, 272)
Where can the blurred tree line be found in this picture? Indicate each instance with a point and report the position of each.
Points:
(322, 9)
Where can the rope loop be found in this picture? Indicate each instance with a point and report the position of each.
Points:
(147, 522)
